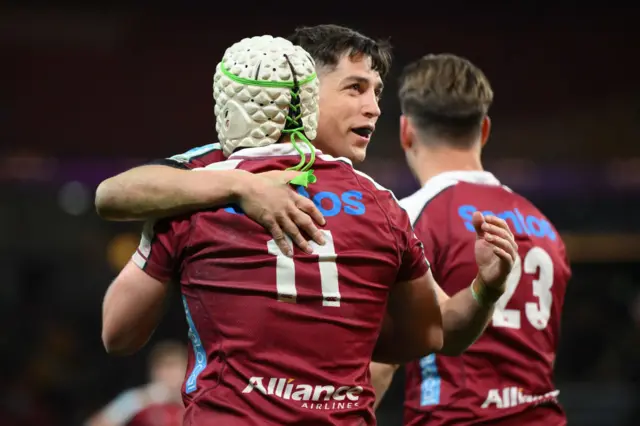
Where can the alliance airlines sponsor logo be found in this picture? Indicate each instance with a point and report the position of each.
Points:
(314, 397)
(512, 396)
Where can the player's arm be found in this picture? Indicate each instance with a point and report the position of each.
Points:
(381, 368)
(382, 373)
(466, 315)
(135, 301)
(132, 308)
(157, 190)
(464, 318)
(170, 188)
(413, 326)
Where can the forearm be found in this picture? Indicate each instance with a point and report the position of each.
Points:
(158, 191)
(381, 378)
(463, 320)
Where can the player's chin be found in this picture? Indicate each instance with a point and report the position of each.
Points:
(359, 150)
(358, 154)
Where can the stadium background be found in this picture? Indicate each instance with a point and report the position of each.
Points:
(87, 92)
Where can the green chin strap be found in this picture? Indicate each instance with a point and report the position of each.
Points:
(293, 127)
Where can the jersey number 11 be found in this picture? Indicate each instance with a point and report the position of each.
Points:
(286, 271)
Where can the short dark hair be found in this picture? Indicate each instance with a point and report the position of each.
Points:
(328, 43)
(446, 96)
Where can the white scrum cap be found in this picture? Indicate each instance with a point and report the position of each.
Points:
(263, 87)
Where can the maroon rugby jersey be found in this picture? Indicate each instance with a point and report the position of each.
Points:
(278, 340)
(506, 377)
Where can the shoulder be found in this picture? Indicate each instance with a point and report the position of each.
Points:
(369, 183)
(416, 203)
(220, 165)
(200, 156)
(387, 202)
(364, 181)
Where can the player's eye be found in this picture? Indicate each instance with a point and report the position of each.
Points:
(355, 86)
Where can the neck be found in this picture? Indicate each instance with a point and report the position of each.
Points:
(431, 161)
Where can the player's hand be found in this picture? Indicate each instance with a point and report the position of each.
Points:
(268, 199)
(495, 250)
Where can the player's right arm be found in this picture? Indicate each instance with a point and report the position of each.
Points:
(464, 316)
(495, 251)
(132, 308)
(169, 188)
(463, 321)
(155, 191)
(413, 326)
(135, 301)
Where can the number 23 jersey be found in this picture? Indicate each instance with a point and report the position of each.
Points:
(509, 369)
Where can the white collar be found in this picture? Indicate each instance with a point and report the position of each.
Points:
(281, 150)
(274, 150)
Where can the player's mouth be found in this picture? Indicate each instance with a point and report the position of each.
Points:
(364, 132)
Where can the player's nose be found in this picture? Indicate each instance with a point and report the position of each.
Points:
(371, 108)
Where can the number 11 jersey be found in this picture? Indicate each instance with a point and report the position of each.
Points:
(278, 340)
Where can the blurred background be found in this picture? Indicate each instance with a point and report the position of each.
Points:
(87, 92)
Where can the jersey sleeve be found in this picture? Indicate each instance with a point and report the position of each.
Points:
(428, 236)
(161, 246)
(429, 212)
(413, 262)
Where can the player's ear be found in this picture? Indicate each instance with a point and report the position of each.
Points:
(486, 129)
(406, 133)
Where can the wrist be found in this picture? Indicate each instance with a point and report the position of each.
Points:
(238, 184)
(485, 296)
(217, 187)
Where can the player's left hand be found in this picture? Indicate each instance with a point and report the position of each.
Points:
(495, 250)
(268, 199)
